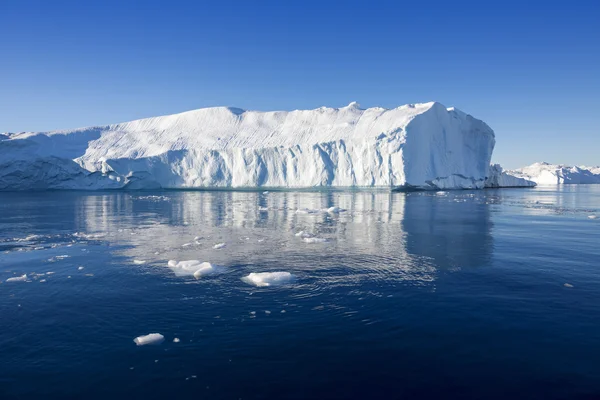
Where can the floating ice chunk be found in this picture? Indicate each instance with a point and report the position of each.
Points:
(219, 246)
(304, 234)
(441, 193)
(568, 285)
(139, 262)
(314, 240)
(261, 279)
(176, 340)
(205, 269)
(263, 208)
(152, 338)
(266, 192)
(42, 280)
(186, 244)
(49, 272)
(592, 216)
(195, 268)
(21, 278)
(80, 268)
(334, 210)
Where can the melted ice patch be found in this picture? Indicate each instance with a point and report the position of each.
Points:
(262, 279)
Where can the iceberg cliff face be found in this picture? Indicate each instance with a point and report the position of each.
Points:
(549, 174)
(414, 146)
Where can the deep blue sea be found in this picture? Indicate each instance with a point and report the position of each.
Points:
(491, 294)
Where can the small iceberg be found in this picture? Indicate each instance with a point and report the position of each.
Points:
(219, 246)
(334, 210)
(262, 279)
(139, 262)
(195, 268)
(21, 278)
(592, 216)
(152, 338)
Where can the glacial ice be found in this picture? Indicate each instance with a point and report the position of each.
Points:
(424, 146)
(262, 279)
(152, 338)
(497, 178)
(552, 174)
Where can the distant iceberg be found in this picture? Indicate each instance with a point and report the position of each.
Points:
(552, 174)
(498, 178)
(415, 146)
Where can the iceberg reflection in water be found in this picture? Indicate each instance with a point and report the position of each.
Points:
(327, 294)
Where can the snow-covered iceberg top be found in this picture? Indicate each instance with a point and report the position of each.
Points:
(552, 174)
(424, 146)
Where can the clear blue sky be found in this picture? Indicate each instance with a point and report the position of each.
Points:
(529, 69)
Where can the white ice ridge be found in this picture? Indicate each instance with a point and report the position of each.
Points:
(261, 279)
(152, 338)
(424, 146)
(552, 174)
(195, 268)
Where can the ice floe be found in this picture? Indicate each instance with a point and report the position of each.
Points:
(21, 278)
(152, 338)
(262, 279)
(139, 262)
(195, 268)
(219, 246)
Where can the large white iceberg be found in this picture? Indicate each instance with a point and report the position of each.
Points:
(551, 174)
(424, 146)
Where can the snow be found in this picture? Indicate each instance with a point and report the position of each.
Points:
(262, 279)
(21, 278)
(194, 268)
(423, 145)
(152, 338)
(556, 174)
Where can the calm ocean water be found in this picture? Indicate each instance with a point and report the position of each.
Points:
(456, 295)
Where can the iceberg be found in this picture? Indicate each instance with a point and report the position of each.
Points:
(552, 174)
(152, 338)
(421, 146)
(263, 279)
(195, 268)
(498, 178)
(21, 278)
